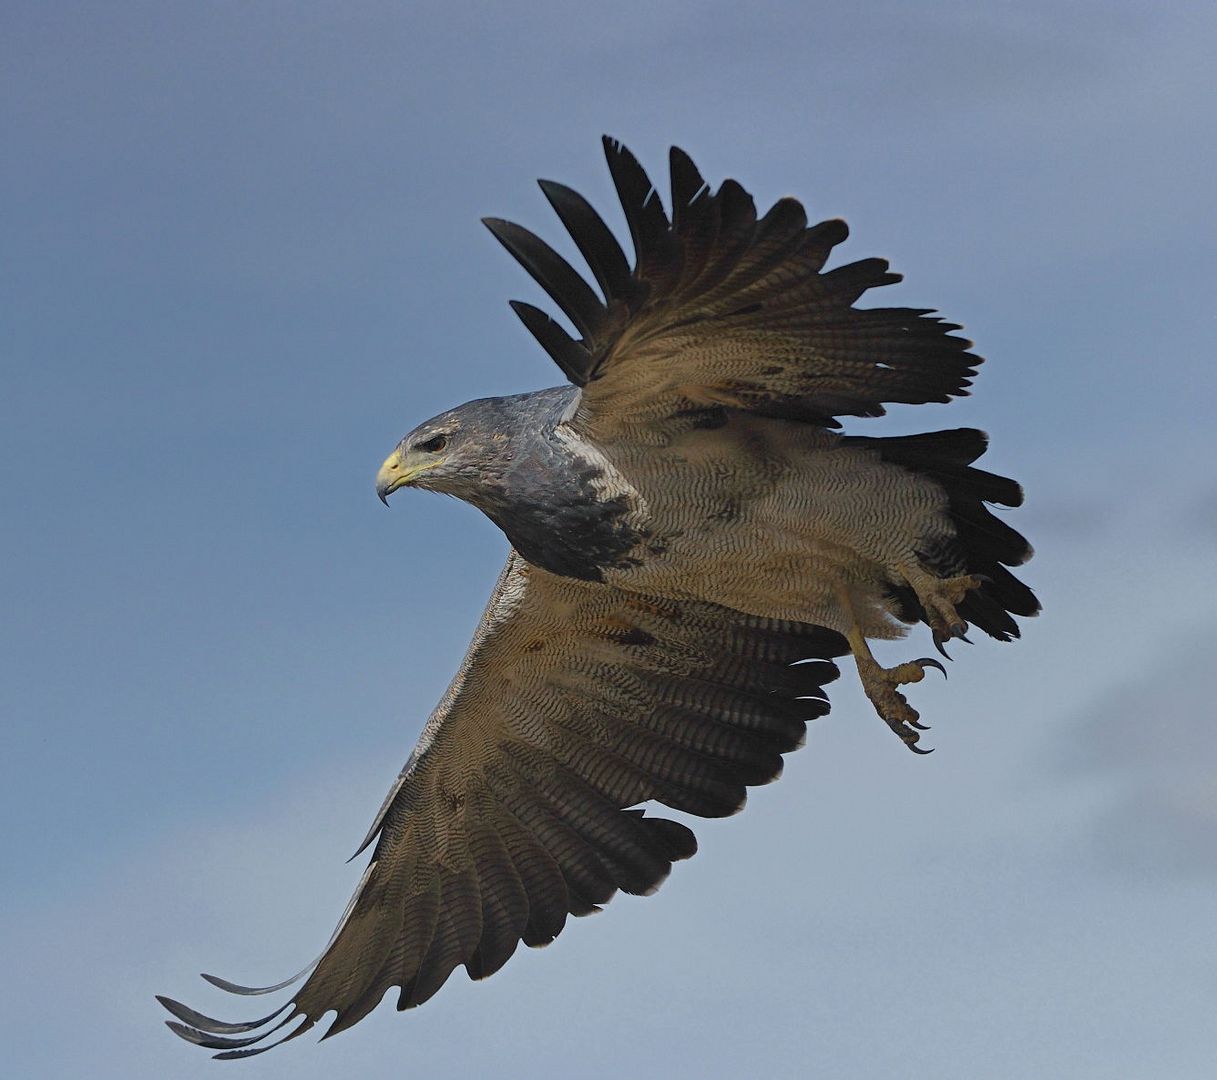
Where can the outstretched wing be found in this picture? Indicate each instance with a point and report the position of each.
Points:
(575, 702)
(724, 309)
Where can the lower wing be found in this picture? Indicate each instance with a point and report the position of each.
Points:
(575, 703)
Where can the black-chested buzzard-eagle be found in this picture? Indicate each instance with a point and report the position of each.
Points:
(693, 543)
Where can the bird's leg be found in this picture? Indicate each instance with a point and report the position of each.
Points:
(939, 597)
(880, 683)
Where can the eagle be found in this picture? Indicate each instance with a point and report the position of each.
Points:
(694, 541)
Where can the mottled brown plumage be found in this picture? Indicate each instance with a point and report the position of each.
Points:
(687, 526)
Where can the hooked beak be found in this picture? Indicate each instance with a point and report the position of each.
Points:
(399, 471)
(392, 475)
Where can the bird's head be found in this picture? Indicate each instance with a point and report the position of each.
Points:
(458, 453)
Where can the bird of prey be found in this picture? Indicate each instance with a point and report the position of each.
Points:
(693, 542)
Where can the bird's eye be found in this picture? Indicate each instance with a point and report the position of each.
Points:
(434, 444)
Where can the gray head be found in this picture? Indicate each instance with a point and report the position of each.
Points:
(455, 452)
(467, 450)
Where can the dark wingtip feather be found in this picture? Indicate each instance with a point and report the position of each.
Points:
(679, 841)
(253, 1051)
(187, 1033)
(211, 1026)
(644, 213)
(211, 1042)
(593, 238)
(688, 184)
(833, 230)
(250, 991)
(553, 273)
(564, 350)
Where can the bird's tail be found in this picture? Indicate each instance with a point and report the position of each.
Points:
(983, 544)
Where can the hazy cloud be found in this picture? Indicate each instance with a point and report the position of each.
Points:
(1147, 745)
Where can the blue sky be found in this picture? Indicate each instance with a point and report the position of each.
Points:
(243, 257)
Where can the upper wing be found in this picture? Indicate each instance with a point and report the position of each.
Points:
(575, 701)
(723, 309)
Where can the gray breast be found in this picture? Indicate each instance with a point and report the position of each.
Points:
(561, 503)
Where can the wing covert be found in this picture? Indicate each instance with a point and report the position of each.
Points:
(575, 703)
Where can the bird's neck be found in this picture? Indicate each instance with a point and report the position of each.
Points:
(565, 508)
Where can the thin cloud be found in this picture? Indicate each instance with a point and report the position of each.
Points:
(1148, 745)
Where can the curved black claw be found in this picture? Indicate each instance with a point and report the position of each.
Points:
(926, 661)
(938, 642)
(910, 738)
(960, 631)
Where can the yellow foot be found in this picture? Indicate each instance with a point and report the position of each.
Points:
(880, 685)
(939, 596)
